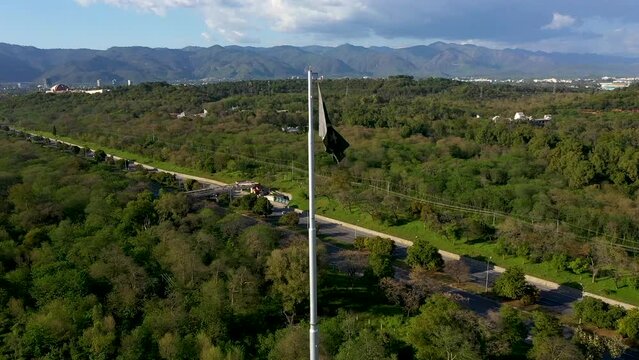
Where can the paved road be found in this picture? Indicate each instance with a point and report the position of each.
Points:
(558, 300)
(479, 304)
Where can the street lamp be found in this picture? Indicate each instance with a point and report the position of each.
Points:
(487, 269)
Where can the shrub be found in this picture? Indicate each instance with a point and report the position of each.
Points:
(629, 325)
(289, 219)
(360, 243)
(512, 285)
(598, 313)
(425, 255)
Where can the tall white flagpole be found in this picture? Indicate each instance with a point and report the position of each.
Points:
(312, 241)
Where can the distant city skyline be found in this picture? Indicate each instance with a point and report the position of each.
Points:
(581, 26)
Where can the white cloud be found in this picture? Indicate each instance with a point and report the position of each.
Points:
(560, 21)
(158, 7)
(375, 22)
(233, 19)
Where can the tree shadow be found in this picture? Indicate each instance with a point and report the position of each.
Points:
(573, 284)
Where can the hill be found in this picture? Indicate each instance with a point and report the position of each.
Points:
(217, 63)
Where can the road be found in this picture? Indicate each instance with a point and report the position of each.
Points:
(557, 300)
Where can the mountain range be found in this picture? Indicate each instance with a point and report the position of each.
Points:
(215, 63)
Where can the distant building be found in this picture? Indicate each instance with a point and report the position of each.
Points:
(278, 198)
(58, 88)
(292, 129)
(614, 85)
(541, 122)
(520, 116)
(203, 114)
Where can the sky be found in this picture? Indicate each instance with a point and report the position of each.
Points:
(582, 26)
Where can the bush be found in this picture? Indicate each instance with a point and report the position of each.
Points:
(560, 261)
(545, 325)
(629, 325)
(262, 207)
(380, 258)
(360, 243)
(531, 295)
(224, 199)
(380, 246)
(578, 265)
(245, 202)
(598, 313)
(425, 255)
(99, 155)
(289, 219)
(512, 284)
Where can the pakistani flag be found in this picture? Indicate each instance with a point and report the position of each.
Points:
(334, 143)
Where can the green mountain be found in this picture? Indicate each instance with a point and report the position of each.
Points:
(85, 66)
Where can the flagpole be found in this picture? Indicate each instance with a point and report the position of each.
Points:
(312, 261)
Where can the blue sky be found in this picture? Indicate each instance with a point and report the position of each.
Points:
(593, 26)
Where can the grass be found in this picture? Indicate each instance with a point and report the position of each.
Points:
(296, 185)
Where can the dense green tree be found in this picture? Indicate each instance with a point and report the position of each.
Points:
(380, 256)
(99, 155)
(288, 343)
(262, 207)
(288, 270)
(425, 255)
(99, 340)
(512, 327)
(597, 347)
(545, 325)
(139, 214)
(597, 312)
(172, 206)
(512, 284)
(443, 330)
(554, 348)
(289, 219)
(246, 202)
(366, 346)
(186, 283)
(629, 325)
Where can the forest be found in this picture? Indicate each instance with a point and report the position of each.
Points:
(426, 159)
(558, 199)
(103, 262)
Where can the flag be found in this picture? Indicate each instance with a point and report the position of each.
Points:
(334, 143)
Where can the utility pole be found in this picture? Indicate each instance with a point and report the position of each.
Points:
(487, 270)
(312, 240)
